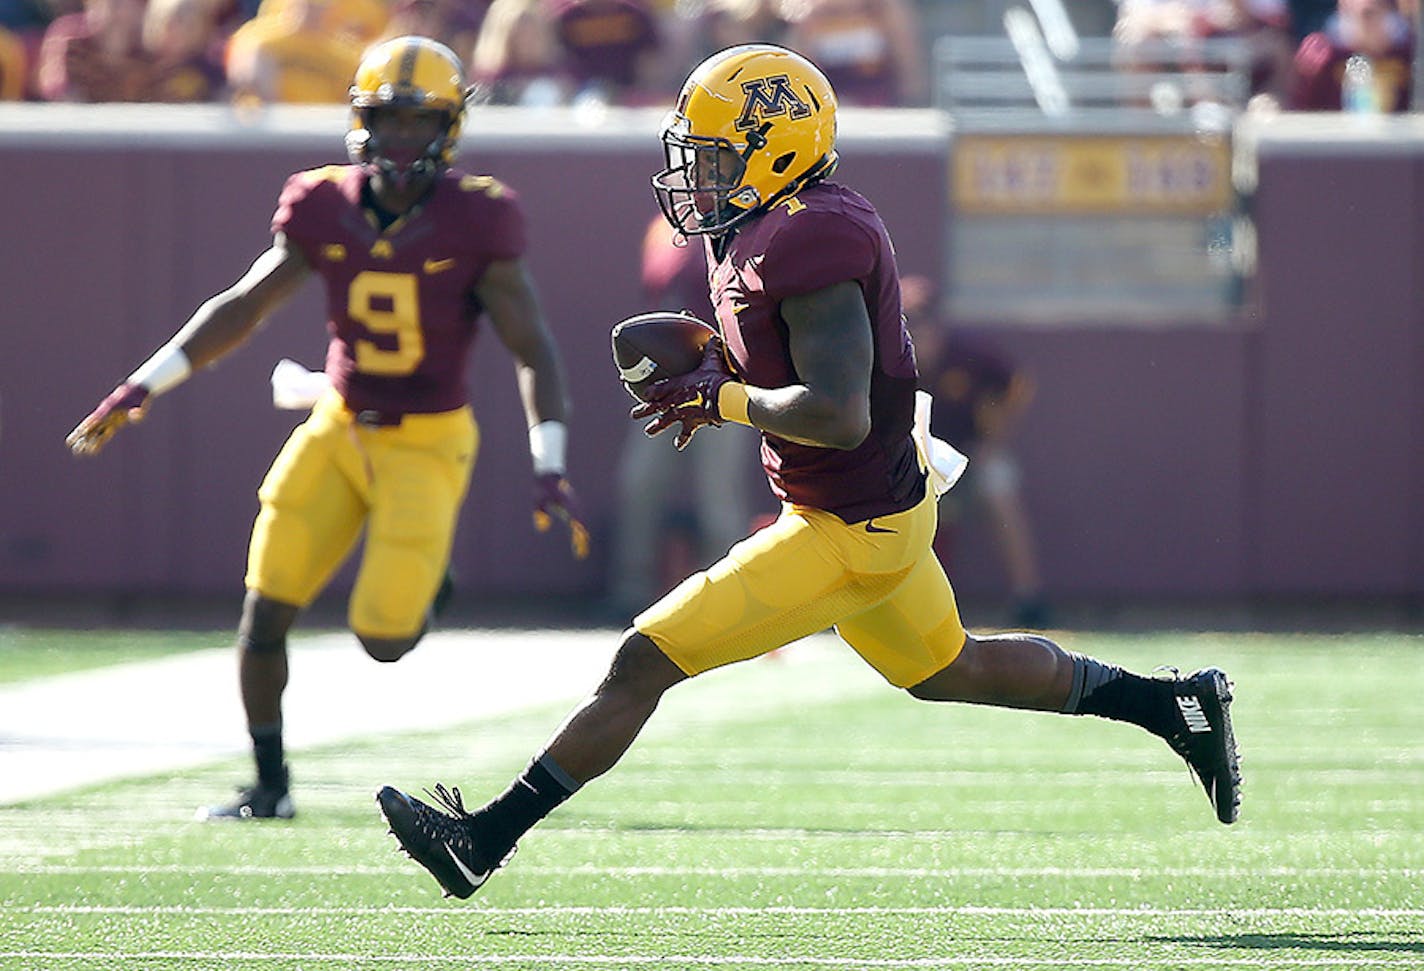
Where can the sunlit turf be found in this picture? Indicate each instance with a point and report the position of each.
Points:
(37, 652)
(790, 815)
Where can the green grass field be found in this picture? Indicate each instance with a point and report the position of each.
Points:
(793, 815)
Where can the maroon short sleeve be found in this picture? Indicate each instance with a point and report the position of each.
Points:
(503, 219)
(294, 213)
(813, 250)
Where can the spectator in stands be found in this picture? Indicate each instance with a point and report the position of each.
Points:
(699, 28)
(301, 51)
(95, 54)
(454, 23)
(705, 489)
(1175, 26)
(1372, 28)
(610, 49)
(869, 49)
(517, 60)
(1264, 25)
(979, 397)
(181, 38)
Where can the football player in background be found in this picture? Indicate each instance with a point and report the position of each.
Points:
(412, 253)
(815, 354)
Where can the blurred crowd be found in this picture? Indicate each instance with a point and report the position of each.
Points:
(636, 52)
(1304, 55)
(519, 52)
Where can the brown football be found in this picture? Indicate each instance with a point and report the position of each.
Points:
(662, 344)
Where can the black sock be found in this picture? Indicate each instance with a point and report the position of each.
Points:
(538, 791)
(1110, 692)
(267, 751)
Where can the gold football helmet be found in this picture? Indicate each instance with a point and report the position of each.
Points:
(407, 72)
(753, 124)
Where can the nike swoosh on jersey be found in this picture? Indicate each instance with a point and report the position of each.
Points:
(438, 266)
(870, 527)
(476, 879)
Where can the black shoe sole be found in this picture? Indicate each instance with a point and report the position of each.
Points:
(1228, 810)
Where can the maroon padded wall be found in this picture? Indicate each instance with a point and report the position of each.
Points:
(1276, 454)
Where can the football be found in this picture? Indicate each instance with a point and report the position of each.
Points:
(662, 344)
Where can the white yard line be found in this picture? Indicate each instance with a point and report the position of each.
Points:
(735, 872)
(466, 912)
(683, 961)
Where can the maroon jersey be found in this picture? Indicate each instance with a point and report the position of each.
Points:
(826, 234)
(402, 311)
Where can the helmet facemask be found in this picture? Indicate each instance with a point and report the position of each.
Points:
(752, 126)
(398, 163)
(408, 74)
(701, 191)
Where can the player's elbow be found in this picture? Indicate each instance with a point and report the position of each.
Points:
(850, 427)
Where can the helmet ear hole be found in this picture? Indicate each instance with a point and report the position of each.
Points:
(783, 162)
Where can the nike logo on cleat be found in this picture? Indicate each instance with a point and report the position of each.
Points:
(1193, 715)
(476, 879)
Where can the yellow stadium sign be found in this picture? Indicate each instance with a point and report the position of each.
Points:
(1120, 174)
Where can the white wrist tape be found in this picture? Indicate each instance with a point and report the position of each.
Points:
(165, 370)
(547, 442)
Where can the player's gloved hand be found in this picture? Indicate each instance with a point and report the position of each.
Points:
(126, 403)
(554, 498)
(689, 399)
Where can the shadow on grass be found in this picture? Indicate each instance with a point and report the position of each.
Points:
(1346, 942)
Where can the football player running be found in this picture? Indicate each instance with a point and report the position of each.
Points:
(412, 255)
(815, 354)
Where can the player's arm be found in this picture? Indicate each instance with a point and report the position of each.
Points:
(220, 324)
(507, 294)
(226, 319)
(831, 347)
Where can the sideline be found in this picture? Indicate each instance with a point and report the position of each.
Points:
(73, 730)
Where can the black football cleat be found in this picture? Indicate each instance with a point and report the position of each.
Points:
(257, 801)
(445, 843)
(1205, 738)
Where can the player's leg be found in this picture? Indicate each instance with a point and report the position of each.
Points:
(916, 640)
(1191, 714)
(419, 474)
(783, 583)
(309, 520)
